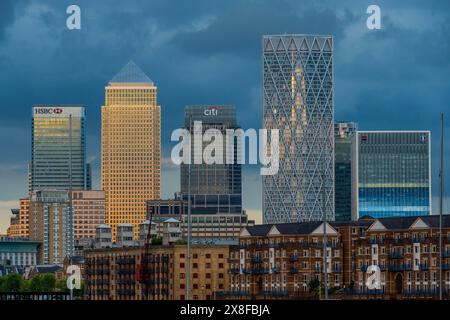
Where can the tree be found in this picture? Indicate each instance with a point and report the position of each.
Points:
(12, 283)
(35, 283)
(314, 286)
(157, 241)
(61, 285)
(48, 282)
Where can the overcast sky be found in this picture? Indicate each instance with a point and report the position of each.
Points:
(209, 52)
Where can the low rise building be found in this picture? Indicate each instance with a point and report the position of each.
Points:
(284, 261)
(18, 252)
(119, 273)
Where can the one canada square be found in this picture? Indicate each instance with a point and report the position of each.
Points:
(298, 101)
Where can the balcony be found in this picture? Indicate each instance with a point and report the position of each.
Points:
(337, 270)
(293, 258)
(259, 271)
(256, 259)
(419, 239)
(293, 270)
(375, 241)
(232, 293)
(446, 254)
(234, 270)
(318, 269)
(423, 266)
(364, 267)
(400, 267)
(446, 267)
(396, 255)
(275, 270)
(274, 293)
(349, 291)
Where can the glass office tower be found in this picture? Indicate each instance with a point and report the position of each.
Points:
(298, 101)
(345, 170)
(131, 147)
(394, 173)
(214, 188)
(58, 154)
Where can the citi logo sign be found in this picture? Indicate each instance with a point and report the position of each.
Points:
(211, 111)
(48, 111)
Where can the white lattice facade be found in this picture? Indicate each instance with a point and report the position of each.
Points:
(298, 101)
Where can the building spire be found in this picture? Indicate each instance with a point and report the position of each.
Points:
(131, 73)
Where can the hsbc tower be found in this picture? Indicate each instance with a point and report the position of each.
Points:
(58, 148)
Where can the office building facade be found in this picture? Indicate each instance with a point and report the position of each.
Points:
(298, 101)
(206, 227)
(214, 188)
(345, 171)
(394, 176)
(58, 148)
(19, 225)
(131, 147)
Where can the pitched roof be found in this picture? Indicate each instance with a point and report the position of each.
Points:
(131, 73)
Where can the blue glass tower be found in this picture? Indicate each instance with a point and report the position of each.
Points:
(393, 173)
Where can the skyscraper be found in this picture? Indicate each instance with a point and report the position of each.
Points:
(51, 222)
(215, 187)
(58, 148)
(345, 170)
(131, 147)
(298, 101)
(394, 173)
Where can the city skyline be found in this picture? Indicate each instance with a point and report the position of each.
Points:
(374, 104)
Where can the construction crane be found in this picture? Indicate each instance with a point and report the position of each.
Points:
(143, 272)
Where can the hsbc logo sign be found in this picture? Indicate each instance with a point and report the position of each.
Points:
(48, 111)
(212, 111)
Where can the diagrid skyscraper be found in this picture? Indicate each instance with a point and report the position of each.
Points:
(298, 101)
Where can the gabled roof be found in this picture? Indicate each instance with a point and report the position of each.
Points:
(397, 223)
(377, 226)
(171, 220)
(328, 229)
(48, 268)
(131, 73)
(419, 224)
(259, 230)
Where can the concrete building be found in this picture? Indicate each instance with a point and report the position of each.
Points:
(125, 235)
(103, 236)
(131, 147)
(205, 227)
(51, 222)
(113, 274)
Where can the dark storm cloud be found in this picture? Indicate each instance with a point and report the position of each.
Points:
(6, 15)
(208, 51)
(239, 29)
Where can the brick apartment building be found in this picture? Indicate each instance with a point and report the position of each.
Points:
(280, 261)
(112, 273)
